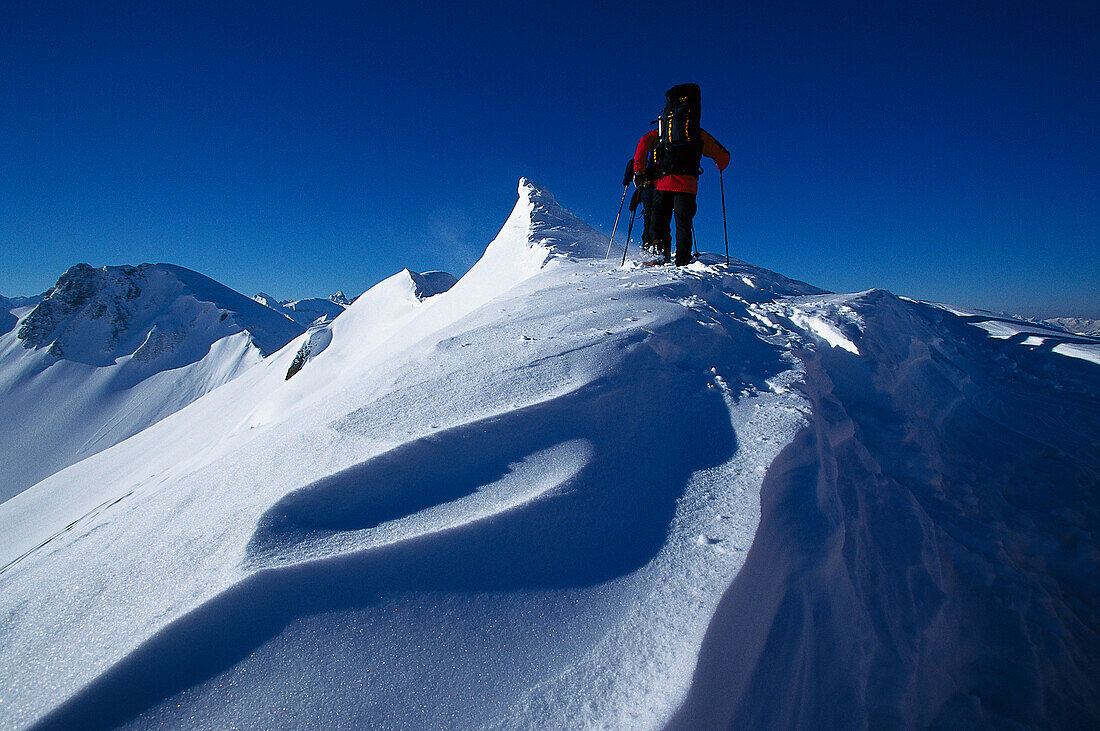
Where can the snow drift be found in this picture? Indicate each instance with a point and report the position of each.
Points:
(567, 494)
(927, 554)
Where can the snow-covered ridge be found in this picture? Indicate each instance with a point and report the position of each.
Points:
(385, 305)
(922, 546)
(316, 311)
(151, 312)
(107, 352)
(1059, 336)
(537, 230)
(568, 494)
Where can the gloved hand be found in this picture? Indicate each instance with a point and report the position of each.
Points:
(640, 180)
(627, 177)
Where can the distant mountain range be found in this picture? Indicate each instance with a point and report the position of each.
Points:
(312, 311)
(306, 311)
(1077, 325)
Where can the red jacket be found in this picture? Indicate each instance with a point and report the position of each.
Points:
(679, 183)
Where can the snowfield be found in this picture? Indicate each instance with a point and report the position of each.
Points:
(565, 494)
(111, 351)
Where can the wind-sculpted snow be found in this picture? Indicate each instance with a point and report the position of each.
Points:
(1050, 337)
(404, 493)
(565, 494)
(530, 459)
(542, 504)
(928, 551)
(429, 284)
(537, 230)
(381, 310)
(556, 228)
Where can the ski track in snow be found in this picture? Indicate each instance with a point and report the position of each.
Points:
(526, 503)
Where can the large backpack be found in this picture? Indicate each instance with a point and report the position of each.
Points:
(680, 138)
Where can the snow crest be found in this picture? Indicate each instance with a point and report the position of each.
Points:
(537, 231)
(566, 494)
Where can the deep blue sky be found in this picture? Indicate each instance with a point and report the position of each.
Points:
(945, 151)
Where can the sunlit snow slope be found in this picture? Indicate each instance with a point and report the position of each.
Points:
(110, 351)
(565, 494)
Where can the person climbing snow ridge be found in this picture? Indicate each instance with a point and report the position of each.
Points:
(677, 145)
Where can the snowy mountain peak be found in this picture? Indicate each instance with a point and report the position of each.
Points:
(315, 311)
(532, 191)
(406, 286)
(122, 348)
(148, 312)
(74, 290)
(554, 228)
(537, 230)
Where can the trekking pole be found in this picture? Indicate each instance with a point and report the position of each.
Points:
(724, 234)
(613, 228)
(694, 243)
(628, 230)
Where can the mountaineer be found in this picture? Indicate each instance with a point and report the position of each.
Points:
(678, 145)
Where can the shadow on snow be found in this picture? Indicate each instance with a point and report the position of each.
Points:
(645, 430)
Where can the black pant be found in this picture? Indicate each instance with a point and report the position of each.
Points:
(666, 203)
